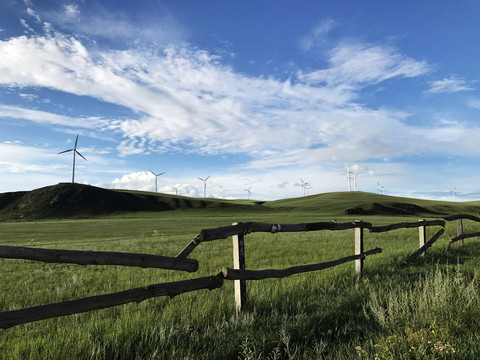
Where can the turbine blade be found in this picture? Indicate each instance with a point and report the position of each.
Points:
(207, 178)
(76, 141)
(80, 155)
(201, 179)
(161, 173)
(152, 172)
(61, 152)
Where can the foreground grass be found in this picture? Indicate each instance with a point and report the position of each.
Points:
(428, 310)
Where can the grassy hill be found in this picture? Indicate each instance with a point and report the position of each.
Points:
(67, 200)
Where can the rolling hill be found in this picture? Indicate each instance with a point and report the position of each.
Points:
(67, 200)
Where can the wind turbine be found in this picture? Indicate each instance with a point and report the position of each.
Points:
(355, 182)
(249, 192)
(156, 177)
(176, 188)
(308, 190)
(204, 186)
(75, 151)
(222, 193)
(304, 186)
(348, 177)
(454, 192)
(380, 188)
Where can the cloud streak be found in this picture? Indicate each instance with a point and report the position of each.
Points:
(449, 85)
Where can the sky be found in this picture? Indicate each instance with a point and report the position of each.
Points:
(255, 95)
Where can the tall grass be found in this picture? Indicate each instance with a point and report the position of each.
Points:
(323, 315)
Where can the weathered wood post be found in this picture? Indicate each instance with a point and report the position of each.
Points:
(358, 249)
(460, 231)
(239, 263)
(421, 236)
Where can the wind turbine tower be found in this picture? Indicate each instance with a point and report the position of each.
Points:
(454, 193)
(380, 188)
(156, 177)
(249, 192)
(75, 151)
(348, 177)
(222, 193)
(204, 186)
(176, 188)
(355, 182)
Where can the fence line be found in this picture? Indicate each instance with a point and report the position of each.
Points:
(239, 274)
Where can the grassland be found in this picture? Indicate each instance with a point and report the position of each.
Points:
(428, 310)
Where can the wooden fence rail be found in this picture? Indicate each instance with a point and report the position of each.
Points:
(423, 248)
(98, 258)
(238, 274)
(407, 225)
(42, 312)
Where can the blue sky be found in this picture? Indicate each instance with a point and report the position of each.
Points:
(254, 94)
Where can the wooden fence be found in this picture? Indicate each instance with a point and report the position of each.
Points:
(238, 273)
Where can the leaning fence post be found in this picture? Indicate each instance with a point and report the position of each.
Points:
(421, 236)
(358, 249)
(239, 263)
(460, 231)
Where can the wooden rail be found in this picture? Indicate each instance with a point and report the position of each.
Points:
(42, 312)
(406, 225)
(238, 274)
(98, 258)
(422, 249)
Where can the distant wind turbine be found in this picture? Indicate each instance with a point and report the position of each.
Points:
(454, 193)
(204, 186)
(355, 182)
(222, 193)
(156, 177)
(304, 186)
(75, 151)
(249, 192)
(348, 177)
(176, 188)
(380, 188)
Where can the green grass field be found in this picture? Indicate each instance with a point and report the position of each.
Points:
(430, 310)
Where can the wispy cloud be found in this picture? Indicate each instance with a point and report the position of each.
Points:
(48, 118)
(358, 64)
(449, 85)
(317, 36)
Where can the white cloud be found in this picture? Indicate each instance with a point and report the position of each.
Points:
(48, 118)
(32, 13)
(71, 10)
(317, 36)
(449, 85)
(355, 64)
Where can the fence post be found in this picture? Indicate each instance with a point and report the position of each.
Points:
(421, 236)
(460, 231)
(358, 249)
(239, 263)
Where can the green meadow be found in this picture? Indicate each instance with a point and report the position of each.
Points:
(429, 310)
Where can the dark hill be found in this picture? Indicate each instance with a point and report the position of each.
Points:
(66, 200)
(77, 200)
